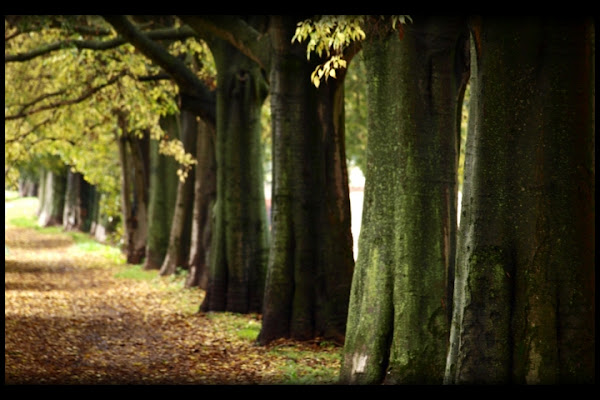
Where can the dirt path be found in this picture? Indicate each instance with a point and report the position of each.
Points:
(68, 320)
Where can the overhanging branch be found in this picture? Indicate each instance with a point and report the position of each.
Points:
(158, 34)
(24, 112)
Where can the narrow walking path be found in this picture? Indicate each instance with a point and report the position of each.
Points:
(69, 319)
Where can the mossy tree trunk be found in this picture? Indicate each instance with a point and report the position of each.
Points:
(398, 322)
(161, 198)
(179, 237)
(239, 247)
(524, 296)
(310, 261)
(205, 193)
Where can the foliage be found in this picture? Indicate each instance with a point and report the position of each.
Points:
(329, 35)
(355, 104)
(67, 101)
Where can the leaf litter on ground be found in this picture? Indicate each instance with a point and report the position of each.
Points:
(76, 316)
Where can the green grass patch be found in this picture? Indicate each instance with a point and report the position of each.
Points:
(24, 222)
(20, 211)
(307, 367)
(87, 243)
(245, 326)
(137, 273)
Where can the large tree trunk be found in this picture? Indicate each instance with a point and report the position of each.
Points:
(177, 251)
(240, 237)
(161, 201)
(398, 322)
(310, 261)
(524, 296)
(205, 193)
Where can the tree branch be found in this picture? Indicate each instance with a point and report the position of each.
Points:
(23, 113)
(23, 135)
(254, 44)
(189, 84)
(158, 34)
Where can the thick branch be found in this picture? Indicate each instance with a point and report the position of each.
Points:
(252, 43)
(189, 84)
(159, 34)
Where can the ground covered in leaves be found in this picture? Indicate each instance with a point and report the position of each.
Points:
(76, 314)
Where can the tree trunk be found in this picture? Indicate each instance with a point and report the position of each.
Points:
(398, 322)
(133, 155)
(310, 261)
(79, 198)
(524, 296)
(161, 201)
(205, 192)
(53, 196)
(177, 251)
(71, 210)
(240, 243)
(101, 225)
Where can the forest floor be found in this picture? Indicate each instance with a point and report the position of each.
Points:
(75, 313)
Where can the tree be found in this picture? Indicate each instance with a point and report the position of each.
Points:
(524, 291)
(178, 248)
(237, 262)
(79, 203)
(240, 238)
(63, 92)
(161, 198)
(398, 320)
(205, 193)
(305, 292)
(52, 193)
(311, 218)
(133, 152)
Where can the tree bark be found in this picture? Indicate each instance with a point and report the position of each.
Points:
(79, 200)
(524, 295)
(161, 200)
(240, 237)
(310, 261)
(177, 250)
(133, 157)
(398, 322)
(52, 199)
(205, 192)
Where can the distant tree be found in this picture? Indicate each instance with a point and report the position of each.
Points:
(205, 193)
(79, 203)
(524, 304)
(178, 247)
(161, 197)
(133, 155)
(65, 76)
(237, 265)
(355, 104)
(53, 182)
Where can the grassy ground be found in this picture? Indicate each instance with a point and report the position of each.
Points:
(75, 313)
